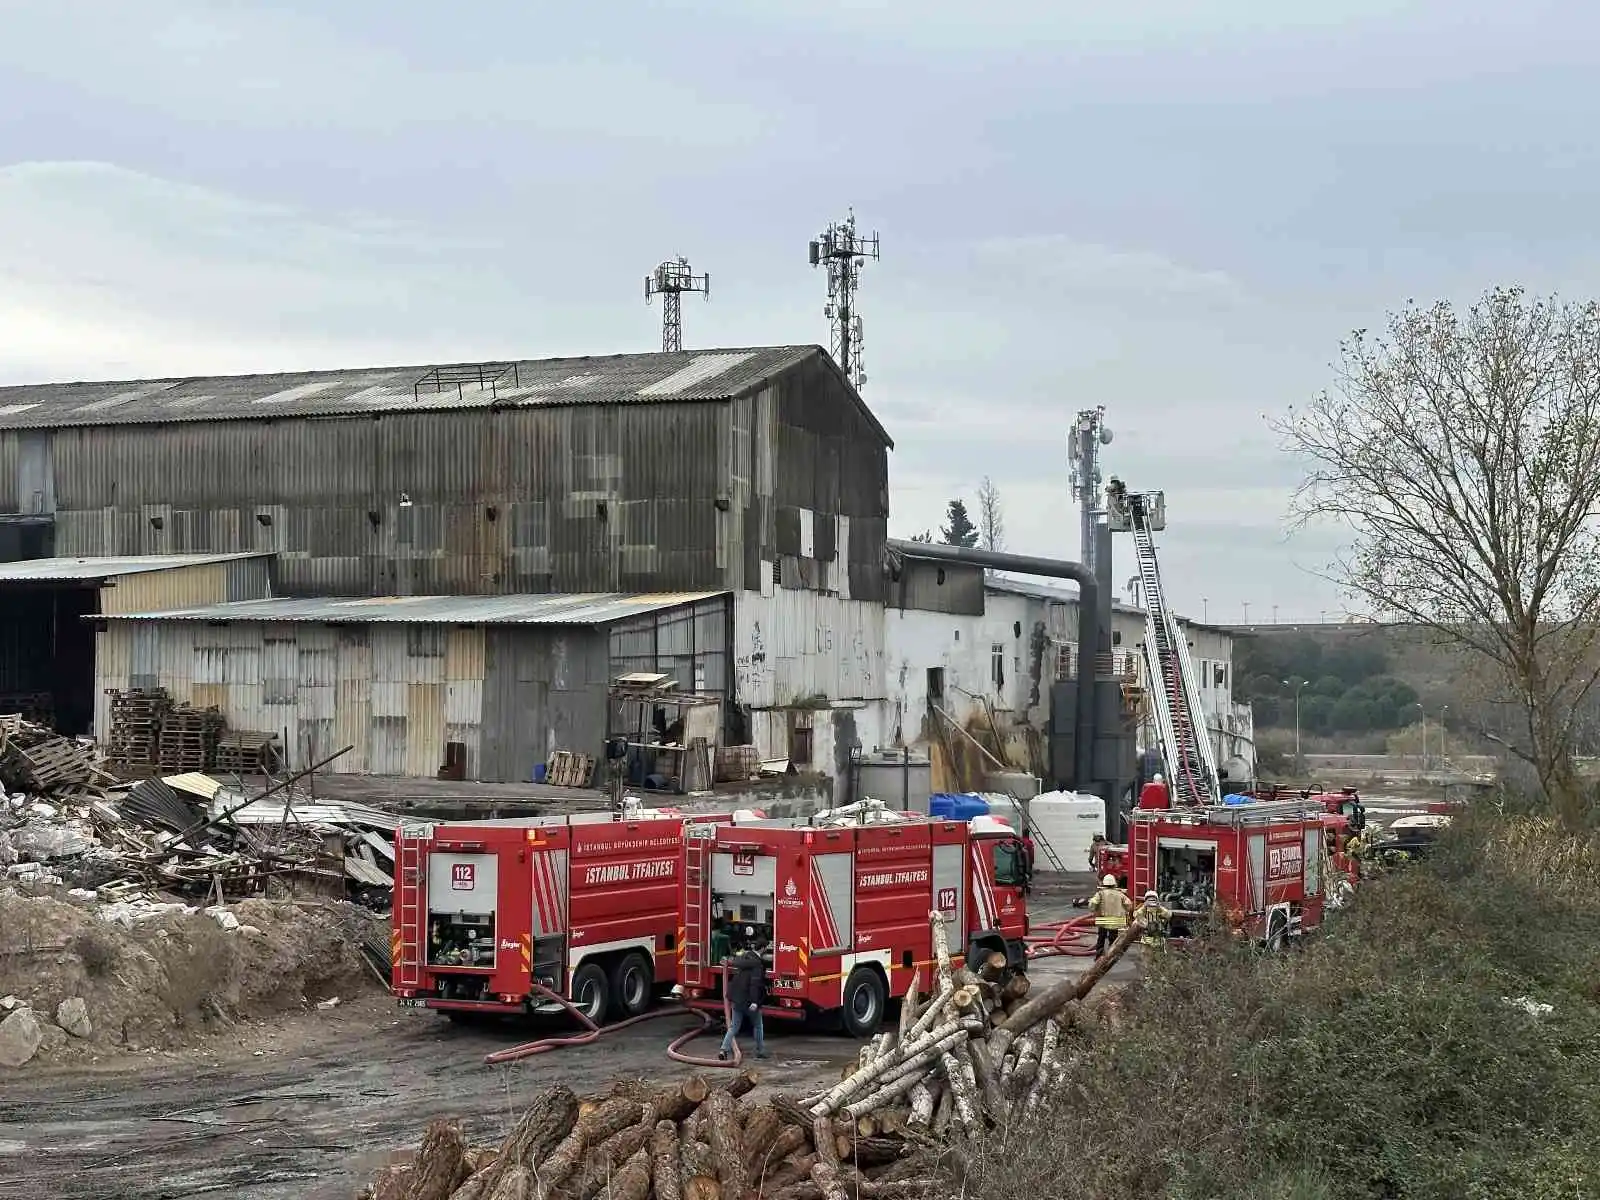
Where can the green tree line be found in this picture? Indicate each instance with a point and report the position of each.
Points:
(1345, 687)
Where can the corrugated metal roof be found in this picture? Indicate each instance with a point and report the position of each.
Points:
(619, 378)
(583, 609)
(50, 570)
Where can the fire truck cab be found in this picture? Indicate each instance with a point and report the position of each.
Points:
(842, 912)
(1258, 866)
(585, 906)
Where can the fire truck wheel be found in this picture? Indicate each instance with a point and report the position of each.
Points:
(864, 1000)
(633, 982)
(1277, 931)
(591, 991)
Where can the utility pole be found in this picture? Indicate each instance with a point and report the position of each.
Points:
(1089, 433)
(670, 280)
(844, 254)
(1298, 684)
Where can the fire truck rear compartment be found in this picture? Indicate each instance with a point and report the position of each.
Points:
(1186, 878)
(744, 897)
(463, 894)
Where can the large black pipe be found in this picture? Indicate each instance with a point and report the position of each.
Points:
(1089, 603)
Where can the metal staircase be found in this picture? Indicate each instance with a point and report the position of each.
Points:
(1174, 689)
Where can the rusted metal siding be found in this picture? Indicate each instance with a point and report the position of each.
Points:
(544, 690)
(587, 498)
(937, 587)
(382, 691)
(668, 495)
(797, 648)
(152, 591)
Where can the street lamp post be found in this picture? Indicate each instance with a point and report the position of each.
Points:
(1297, 685)
(1424, 713)
(1247, 612)
(1205, 610)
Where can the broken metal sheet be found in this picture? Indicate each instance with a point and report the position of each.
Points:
(194, 783)
(365, 872)
(379, 843)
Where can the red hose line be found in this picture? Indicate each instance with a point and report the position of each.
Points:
(593, 1032)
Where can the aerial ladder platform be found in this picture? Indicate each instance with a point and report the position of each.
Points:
(1174, 688)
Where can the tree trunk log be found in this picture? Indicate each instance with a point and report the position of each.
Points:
(908, 1005)
(761, 1129)
(922, 1101)
(722, 1125)
(825, 1171)
(592, 1129)
(994, 966)
(696, 1159)
(440, 1166)
(791, 1141)
(1016, 987)
(944, 1111)
(741, 1084)
(1053, 999)
(891, 1066)
(902, 1081)
(702, 1187)
(519, 1183)
(941, 950)
(666, 1182)
(473, 1188)
(792, 1170)
(675, 1103)
(547, 1121)
(1049, 1055)
(633, 1181)
(604, 1162)
(864, 1152)
(988, 1080)
(958, 1070)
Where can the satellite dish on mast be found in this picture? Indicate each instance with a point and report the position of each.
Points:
(1105, 436)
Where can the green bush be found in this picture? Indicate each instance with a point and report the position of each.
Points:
(1384, 1059)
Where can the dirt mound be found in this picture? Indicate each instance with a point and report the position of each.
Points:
(166, 979)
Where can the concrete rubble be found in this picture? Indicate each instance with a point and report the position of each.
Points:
(67, 821)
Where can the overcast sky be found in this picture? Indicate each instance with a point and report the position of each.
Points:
(1174, 208)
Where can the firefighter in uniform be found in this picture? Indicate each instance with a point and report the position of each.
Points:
(1110, 905)
(1154, 920)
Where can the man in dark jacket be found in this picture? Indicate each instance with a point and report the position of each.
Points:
(746, 992)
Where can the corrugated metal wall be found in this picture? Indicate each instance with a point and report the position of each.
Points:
(938, 587)
(543, 691)
(185, 587)
(652, 496)
(394, 693)
(581, 498)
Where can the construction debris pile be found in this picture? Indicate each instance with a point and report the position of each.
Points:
(978, 1053)
(65, 821)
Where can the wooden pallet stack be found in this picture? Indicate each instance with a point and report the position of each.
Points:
(188, 739)
(567, 769)
(136, 715)
(248, 752)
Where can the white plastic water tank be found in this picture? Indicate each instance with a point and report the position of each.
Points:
(1068, 821)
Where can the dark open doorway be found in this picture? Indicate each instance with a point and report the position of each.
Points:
(47, 654)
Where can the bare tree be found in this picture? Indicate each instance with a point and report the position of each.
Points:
(991, 517)
(1463, 450)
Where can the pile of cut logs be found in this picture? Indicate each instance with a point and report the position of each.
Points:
(977, 1052)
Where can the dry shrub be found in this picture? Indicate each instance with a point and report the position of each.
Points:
(96, 950)
(1381, 1060)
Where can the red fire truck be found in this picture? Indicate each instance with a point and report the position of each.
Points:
(586, 905)
(844, 910)
(1260, 864)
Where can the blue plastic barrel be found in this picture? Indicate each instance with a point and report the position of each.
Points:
(538, 772)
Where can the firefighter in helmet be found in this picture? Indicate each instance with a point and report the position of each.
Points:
(1110, 905)
(1154, 920)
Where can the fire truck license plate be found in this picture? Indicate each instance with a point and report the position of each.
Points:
(947, 899)
(411, 1003)
(744, 864)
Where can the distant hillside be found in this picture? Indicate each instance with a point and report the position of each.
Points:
(1357, 679)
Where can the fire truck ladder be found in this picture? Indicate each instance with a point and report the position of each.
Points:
(1175, 698)
(696, 861)
(408, 907)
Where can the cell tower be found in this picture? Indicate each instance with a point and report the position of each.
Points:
(1089, 433)
(670, 280)
(844, 254)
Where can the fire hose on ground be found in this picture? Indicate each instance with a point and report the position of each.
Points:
(593, 1032)
(1073, 937)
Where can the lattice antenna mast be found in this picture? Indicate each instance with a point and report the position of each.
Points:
(670, 280)
(1089, 433)
(844, 254)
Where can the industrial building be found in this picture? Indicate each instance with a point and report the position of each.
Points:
(587, 494)
(430, 561)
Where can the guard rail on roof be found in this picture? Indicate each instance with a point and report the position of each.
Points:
(1256, 813)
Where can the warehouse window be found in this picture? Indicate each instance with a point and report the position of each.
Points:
(1063, 662)
(997, 665)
